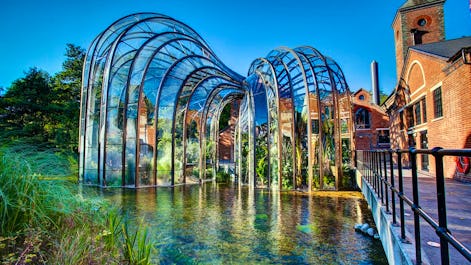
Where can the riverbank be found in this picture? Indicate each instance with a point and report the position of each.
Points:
(45, 220)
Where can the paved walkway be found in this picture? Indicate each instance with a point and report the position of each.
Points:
(458, 198)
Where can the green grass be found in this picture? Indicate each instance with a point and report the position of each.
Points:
(46, 220)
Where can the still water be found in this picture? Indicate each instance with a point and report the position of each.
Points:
(223, 224)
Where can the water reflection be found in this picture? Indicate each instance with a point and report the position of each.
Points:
(215, 224)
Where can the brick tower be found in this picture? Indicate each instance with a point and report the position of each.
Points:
(417, 22)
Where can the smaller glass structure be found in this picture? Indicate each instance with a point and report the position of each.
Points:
(153, 92)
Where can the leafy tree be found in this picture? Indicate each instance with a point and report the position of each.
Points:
(66, 95)
(24, 108)
(44, 109)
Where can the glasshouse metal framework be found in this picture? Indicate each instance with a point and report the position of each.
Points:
(153, 92)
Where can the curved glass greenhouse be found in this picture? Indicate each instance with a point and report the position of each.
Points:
(153, 95)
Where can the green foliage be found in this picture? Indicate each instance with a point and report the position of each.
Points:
(329, 179)
(346, 152)
(244, 153)
(287, 167)
(262, 164)
(193, 151)
(225, 117)
(137, 250)
(164, 157)
(25, 106)
(209, 173)
(222, 176)
(45, 221)
(25, 195)
(112, 232)
(45, 109)
(329, 145)
(66, 95)
(262, 170)
(286, 184)
(36, 205)
(348, 179)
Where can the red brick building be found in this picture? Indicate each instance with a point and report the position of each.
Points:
(371, 123)
(430, 106)
(226, 136)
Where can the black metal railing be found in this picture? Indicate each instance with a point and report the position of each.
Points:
(375, 165)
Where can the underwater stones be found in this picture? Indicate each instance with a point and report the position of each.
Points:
(366, 230)
(370, 231)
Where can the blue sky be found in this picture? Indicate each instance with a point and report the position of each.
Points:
(34, 33)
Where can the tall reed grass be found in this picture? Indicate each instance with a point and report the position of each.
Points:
(45, 220)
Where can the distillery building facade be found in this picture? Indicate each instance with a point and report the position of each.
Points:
(430, 105)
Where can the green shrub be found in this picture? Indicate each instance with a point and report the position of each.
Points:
(27, 198)
(44, 220)
(222, 176)
(209, 173)
(348, 180)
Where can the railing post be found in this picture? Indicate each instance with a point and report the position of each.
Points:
(393, 197)
(416, 205)
(370, 167)
(376, 172)
(401, 193)
(372, 179)
(378, 176)
(355, 160)
(441, 201)
(386, 182)
(381, 178)
(370, 153)
(373, 168)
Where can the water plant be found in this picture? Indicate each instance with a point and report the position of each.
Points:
(137, 250)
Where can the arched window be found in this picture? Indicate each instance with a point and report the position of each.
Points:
(362, 97)
(362, 119)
